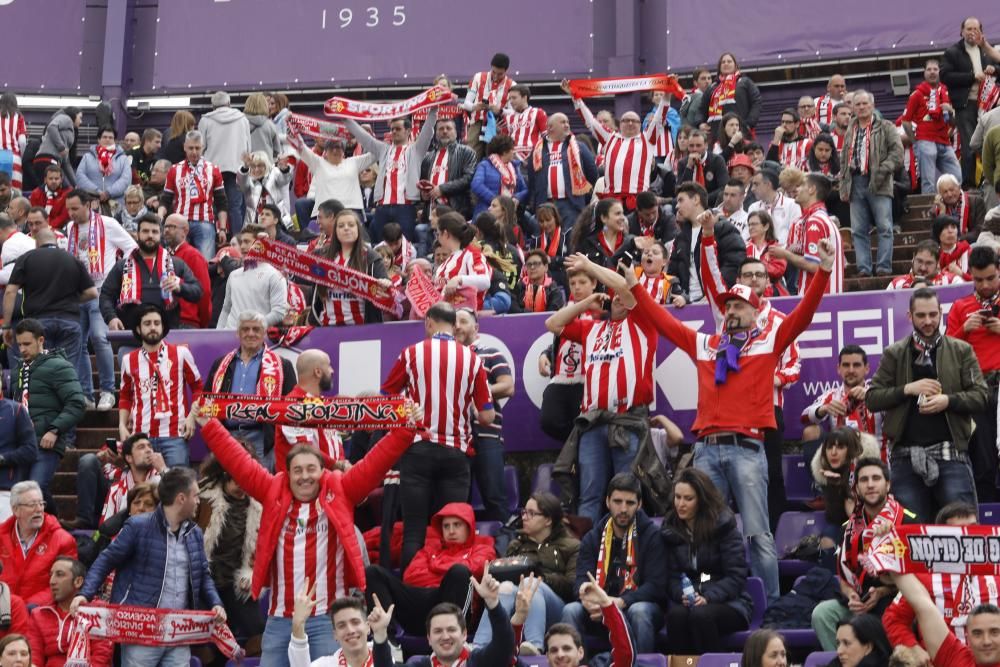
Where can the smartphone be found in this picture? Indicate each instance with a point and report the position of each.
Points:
(111, 444)
(627, 258)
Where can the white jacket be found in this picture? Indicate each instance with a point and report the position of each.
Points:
(276, 183)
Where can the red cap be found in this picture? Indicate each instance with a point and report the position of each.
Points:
(227, 251)
(745, 293)
(742, 160)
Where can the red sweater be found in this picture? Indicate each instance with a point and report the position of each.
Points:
(50, 635)
(58, 216)
(928, 116)
(340, 493)
(196, 314)
(433, 561)
(985, 344)
(28, 576)
(744, 403)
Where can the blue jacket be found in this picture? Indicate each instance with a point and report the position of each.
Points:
(18, 445)
(538, 186)
(139, 554)
(486, 185)
(89, 176)
(650, 561)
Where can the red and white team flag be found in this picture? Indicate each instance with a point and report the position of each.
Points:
(580, 88)
(328, 274)
(935, 549)
(317, 128)
(147, 626)
(342, 107)
(362, 413)
(422, 294)
(989, 93)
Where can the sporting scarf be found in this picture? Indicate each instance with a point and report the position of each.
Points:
(461, 661)
(581, 88)
(508, 175)
(535, 300)
(932, 95)
(795, 153)
(857, 530)
(131, 292)
(864, 137)
(5, 614)
(578, 180)
(146, 626)
(809, 128)
(989, 94)
(158, 388)
(51, 198)
(948, 256)
(194, 180)
(341, 659)
(105, 157)
(723, 95)
(918, 549)
(727, 356)
(604, 556)
(439, 173)
(296, 299)
(342, 107)
(287, 336)
(489, 92)
(269, 380)
(24, 377)
(96, 244)
(925, 349)
(960, 213)
(552, 245)
(421, 292)
(326, 273)
(349, 413)
(318, 128)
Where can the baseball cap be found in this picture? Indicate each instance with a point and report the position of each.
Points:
(743, 292)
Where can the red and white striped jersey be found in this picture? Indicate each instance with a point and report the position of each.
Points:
(326, 440)
(153, 388)
(395, 176)
(795, 153)
(466, 262)
(439, 168)
(955, 595)
(567, 364)
(117, 499)
(342, 308)
(525, 127)
(940, 278)
(789, 366)
(824, 109)
(838, 141)
(556, 176)
(308, 548)
(818, 226)
(663, 142)
(13, 137)
(628, 161)
(658, 286)
(447, 379)
(858, 416)
(194, 187)
(618, 360)
(482, 88)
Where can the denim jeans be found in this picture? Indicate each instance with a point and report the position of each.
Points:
(234, 199)
(487, 470)
(278, 634)
(202, 237)
(303, 211)
(644, 620)
(93, 328)
(44, 468)
(63, 334)
(423, 243)
(404, 214)
(741, 475)
(954, 484)
(599, 462)
(134, 655)
(869, 210)
(175, 451)
(91, 490)
(546, 609)
(933, 160)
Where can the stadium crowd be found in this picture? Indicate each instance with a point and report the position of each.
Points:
(651, 546)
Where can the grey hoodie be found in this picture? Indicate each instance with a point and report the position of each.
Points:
(264, 136)
(227, 137)
(59, 136)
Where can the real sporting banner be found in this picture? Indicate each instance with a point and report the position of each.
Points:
(317, 128)
(342, 107)
(421, 293)
(362, 413)
(325, 273)
(935, 549)
(580, 88)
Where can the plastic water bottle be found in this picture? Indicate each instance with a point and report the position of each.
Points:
(165, 294)
(946, 116)
(687, 589)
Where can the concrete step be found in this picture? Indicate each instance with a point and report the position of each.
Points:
(876, 283)
(899, 252)
(898, 267)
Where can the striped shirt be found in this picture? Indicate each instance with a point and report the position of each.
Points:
(153, 389)
(194, 187)
(525, 127)
(447, 379)
(308, 548)
(13, 137)
(395, 176)
(556, 178)
(342, 308)
(817, 226)
(567, 365)
(117, 499)
(496, 367)
(824, 109)
(795, 153)
(628, 161)
(482, 88)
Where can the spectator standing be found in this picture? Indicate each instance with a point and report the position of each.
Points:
(464, 264)
(730, 207)
(929, 386)
(38, 222)
(691, 112)
(760, 229)
(844, 404)
(487, 95)
(334, 177)
(652, 219)
(256, 286)
(13, 136)
(18, 211)
(524, 123)
(782, 208)
(561, 171)
(175, 233)
(348, 247)
(18, 449)
(159, 560)
(133, 209)
(734, 92)
(807, 233)
(930, 110)
(95, 240)
(105, 170)
(226, 133)
(14, 244)
(263, 132)
(154, 378)
(704, 167)
(263, 182)
(152, 190)
(449, 170)
(144, 156)
(826, 106)
(51, 195)
(58, 140)
(788, 147)
(181, 123)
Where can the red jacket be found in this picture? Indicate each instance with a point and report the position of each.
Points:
(20, 622)
(985, 344)
(58, 216)
(29, 576)
(198, 314)
(927, 114)
(50, 635)
(430, 564)
(340, 493)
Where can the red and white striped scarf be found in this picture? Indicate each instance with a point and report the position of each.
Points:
(132, 277)
(795, 153)
(865, 150)
(810, 128)
(96, 243)
(105, 158)
(989, 94)
(859, 531)
(961, 213)
(461, 661)
(919, 549)
(269, 380)
(439, 172)
(341, 659)
(723, 96)
(579, 181)
(195, 180)
(508, 175)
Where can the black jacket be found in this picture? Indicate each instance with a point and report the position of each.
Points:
(664, 229)
(747, 105)
(461, 166)
(716, 174)
(732, 250)
(555, 298)
(591, 247)
(111, 293)
(957, 74)
(538, 188)
(376, 269)
(722, 560)
(651, 570)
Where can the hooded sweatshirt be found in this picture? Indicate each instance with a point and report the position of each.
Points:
(227, 137)
(430, 564)
(264, 136)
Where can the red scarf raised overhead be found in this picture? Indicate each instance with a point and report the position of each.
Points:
(105, 157)
(508, 175)
(131, 293)
(578, 179)
(269, 380)
(916, 549)
(723, 96)
(363, 413)
(535, 300)
(96, 244)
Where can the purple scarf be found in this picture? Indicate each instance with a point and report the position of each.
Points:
(727, 357)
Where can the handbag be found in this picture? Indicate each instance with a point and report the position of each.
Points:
(512, 568)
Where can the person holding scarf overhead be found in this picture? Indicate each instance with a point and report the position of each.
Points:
(733, 92)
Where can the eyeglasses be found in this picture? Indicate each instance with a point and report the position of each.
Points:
(755, 274)
(533, 265)
(33, 505)
(531, 514)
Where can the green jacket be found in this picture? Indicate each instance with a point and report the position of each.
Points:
(556, 560)
(55, 398)
(960, 377)
(885, 156)
(991, 156)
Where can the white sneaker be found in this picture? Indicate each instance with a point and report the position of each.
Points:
(106, 402)
(88, 403)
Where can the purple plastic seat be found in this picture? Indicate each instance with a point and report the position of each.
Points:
(820, 658)
(542, 480)
(719, 660)
(651, 660)
(798, 479)
(755, 587)
(247, 662)
(488, 528)
(989, 514)
(512, 491)
(801, 638)
(195, 662)
(792, 527)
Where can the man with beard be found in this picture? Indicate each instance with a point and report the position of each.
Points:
(838, 128)
(930, 110)
(315, 378)
(703, 166)
(154, 377)
(925, 271)
(148, 275)
(143, 464)
(788, 146)
(844, 405)
(449, 171)
(929, 386)
(865, 594)
(975, 319)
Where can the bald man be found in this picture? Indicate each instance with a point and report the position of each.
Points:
(315, 379)
(175, 233)
(130, 141)
(836, 89)
(550, 171)
(18, 211)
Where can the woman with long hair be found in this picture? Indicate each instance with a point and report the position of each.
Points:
(348, 247)
(544, 539)
(278, 111)
(732, 92)
(761, 229)
(173, 148)
(464, 264)
(731, 139)
(601, 233)
(495, 235)
(708, 565)
(764, 648)
(13, 139)
(823, 156)
(519, 228)
(15, 651)
(861, 642)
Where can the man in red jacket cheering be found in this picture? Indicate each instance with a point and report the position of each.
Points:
(307, 529)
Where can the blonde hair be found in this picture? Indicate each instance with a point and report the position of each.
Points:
(791, 178)
(256, 105)
(133, 191)
(261, 156)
